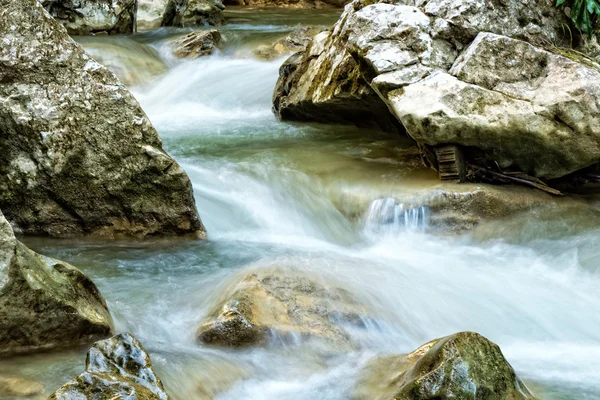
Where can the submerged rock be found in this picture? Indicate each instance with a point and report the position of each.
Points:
(79, 155)
(17, 388)
(461, 366)
(292, 43)
(197, 44)
(185, 13)
(83, 17)
(45, 302)
(116, 368)
(283, 303)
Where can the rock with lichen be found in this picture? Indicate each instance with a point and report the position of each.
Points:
(45, 302)
(116, 368)
(84, 17)
(79, 155)
(465, 365)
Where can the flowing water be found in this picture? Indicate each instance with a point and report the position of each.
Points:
(321, 199)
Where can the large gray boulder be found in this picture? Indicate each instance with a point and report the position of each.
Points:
(524, 107)
(79, 155)
(45, 302)
(465, 365)
(397, 44)
(83, 17)
(116, 368)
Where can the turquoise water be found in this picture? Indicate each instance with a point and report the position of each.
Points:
(297, 196)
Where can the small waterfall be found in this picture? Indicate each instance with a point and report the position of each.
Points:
(387, 216)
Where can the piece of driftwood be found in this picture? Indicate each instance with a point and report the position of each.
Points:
(520, 178)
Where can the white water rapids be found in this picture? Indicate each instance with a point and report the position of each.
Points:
(321, 199)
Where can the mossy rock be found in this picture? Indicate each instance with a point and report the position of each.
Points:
(45, 302)
(465, 365)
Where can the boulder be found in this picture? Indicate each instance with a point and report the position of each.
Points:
(116, 368)
(84, 17)
(465, 365)
(184, 13)
(150, 14)
(197, 44)
(45, 302)
(376, 47)
(79, 155)
(292, 43)
(307, 4)
(280, 303)
(324, 84)
(523, 107)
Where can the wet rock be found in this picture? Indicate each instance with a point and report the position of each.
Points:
(84, 17)
(17, 388)
(525, 107)
(79, 155)
(461, 366)
(284, 303)
(45, 302)
(197, 44)
(118, 367)
(374, 48)
(186, 13)
(451, 208)
(324, 84)
(292, 43)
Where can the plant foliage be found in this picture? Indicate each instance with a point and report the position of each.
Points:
(583, 13)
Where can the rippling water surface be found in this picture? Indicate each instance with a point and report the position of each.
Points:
(320, 199)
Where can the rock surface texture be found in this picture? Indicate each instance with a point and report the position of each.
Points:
(461, 366)
(186, 13)
(116, 368)
(283, 303)
(79, 156)
(289, 3)
(150, 14)
(197, 44)
(293, 42)
(83, 17)
(471, 73)
(45, 302)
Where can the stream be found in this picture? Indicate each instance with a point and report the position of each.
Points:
(317, 198)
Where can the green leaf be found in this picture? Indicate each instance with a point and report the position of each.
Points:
(560, 2)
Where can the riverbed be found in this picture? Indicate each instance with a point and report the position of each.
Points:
(298, 196)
